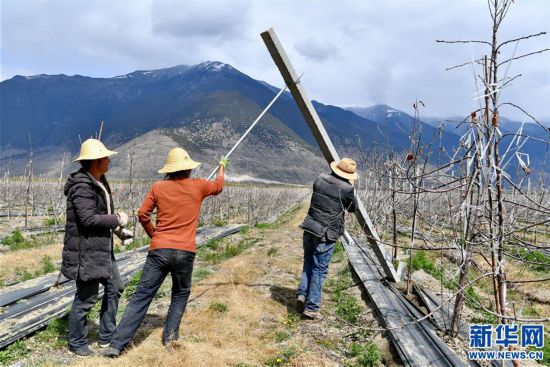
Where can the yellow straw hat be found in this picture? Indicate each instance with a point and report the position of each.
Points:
(178, 160)
(345, 168)
(93, 149)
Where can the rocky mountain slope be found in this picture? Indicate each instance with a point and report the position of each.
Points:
(204, 108)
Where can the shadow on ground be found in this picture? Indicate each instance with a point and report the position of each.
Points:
(285, 296)
(147, 327)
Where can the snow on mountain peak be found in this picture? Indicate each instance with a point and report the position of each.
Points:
(212, 66)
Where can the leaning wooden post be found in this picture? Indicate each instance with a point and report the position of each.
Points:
(327, 148)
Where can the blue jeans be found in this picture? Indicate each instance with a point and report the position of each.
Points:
(159, 263)
(317, 256)
(84, 299)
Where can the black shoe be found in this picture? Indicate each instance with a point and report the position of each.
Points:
(300, 304)
(82, 352)
(110, 352)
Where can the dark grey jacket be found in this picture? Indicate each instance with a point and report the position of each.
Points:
(88, 243)
(331, 197)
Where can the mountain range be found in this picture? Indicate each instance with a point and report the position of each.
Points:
(204, 108)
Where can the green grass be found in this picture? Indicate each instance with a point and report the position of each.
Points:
(218, 307)
(200, 274)
(291, 320)
(346, 305)
(55, 333)
(339, 253)
(215, 253)
(348, 308)
(530, 310)
(263, 225)
(366, 355)
(50, 221)
(131, 286)
(539, 257)
(211, 245)
(283, 357)
(422, 261)
(281, 336)
(16, 241)
(137, 243)
(14, 352)
(94, 312)
(244, 230)
(219, 222)
(483, 317)
(546, 350)
(47, 265)
(24, 274)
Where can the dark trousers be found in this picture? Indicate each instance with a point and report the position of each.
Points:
(85, 298)
(159, 263)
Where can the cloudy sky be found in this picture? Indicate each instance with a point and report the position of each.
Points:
(352, 52)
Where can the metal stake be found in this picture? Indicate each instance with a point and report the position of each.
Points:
(253, 124)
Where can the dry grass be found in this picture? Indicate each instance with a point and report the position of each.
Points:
(31, 259)
(245, 333)
(242, 314)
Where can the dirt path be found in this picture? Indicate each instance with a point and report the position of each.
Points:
(242, 313)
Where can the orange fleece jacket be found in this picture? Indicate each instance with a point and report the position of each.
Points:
(178, 203)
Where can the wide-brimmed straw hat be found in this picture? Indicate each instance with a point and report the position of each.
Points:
(178, 160)
(93, 149)
(345, 168)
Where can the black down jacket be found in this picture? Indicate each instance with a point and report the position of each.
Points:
(88, 243)
(331, 197)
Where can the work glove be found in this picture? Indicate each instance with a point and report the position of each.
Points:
(122, 219)
(224, 162)
(125, 235)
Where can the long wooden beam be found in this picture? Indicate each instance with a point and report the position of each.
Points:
(416, 343)
(327, 148)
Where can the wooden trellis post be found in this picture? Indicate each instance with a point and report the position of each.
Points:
(327, 148)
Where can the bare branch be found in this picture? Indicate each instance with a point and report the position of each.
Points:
(525, 112)
(460, 41)
(522, 56)
(520, 38)
(465, 64)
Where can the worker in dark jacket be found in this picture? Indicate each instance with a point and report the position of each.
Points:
(88, 246)
(333, 195)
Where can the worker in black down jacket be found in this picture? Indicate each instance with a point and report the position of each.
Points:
(88, 256)
(333, 195)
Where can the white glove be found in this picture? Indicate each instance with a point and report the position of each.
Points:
(122, 219)
(123, 233)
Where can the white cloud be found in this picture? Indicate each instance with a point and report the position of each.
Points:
(205, 20)
(315, 50)
(352, 52)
